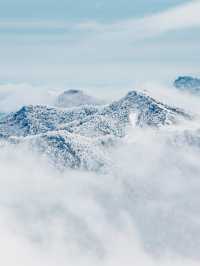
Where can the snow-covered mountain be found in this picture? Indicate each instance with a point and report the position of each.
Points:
(72, 98)
(76, 177)
(81, 136)
(32, 120)
(110, 119)
(187, 83)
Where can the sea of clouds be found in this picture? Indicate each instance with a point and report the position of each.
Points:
(145, 211)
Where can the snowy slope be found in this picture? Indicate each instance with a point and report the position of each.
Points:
(80, 137)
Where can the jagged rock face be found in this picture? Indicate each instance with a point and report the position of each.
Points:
(79, 137)
(72, 98)
(187, 83)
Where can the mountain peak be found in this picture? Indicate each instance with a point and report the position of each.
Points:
(149, 111)
(74, 97)
(188, 83)
(70, 135)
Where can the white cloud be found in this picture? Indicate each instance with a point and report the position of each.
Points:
(182, 17)
(91, 53)
(79, 218)
(32, 24)
(179, 18)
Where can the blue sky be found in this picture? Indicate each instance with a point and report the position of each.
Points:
(81, 9)
(97, 43)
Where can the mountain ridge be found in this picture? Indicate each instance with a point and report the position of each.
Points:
(80, 137)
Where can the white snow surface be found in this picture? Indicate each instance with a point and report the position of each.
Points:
(111, 185)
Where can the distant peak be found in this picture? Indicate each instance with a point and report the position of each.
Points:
(72, 91)
(188, 83)
(74, 97)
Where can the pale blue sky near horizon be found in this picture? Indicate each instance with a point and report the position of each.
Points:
(85, 43)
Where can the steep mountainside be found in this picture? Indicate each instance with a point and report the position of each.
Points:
(80, 137)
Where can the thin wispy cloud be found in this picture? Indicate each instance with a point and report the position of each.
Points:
(179, 18)
(117, 52)
(182, 17)
(33, 24)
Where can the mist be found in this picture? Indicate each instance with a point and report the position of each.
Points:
(143, 211)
